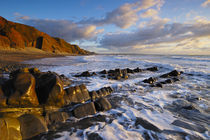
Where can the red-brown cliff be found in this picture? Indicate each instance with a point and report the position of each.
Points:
(20, 36)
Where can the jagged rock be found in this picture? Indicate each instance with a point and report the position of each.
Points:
(151, 80)
(56, 117)
(3, 98)
(84, 110)
(137, 70)
(152, 69)
(158, 85)
(84, 74)
(49, 89)
(70, 96)
(93, 95)
(168, 81)
(24, 94)
(173, 73)
(103, 72)
(32, 125)
(79, 94)
(175, 79)
(10, 129)
(102, 104)
(85, 92)
(147, 125)
(94, 136)
(66, 81)
(100, 93)
(129, 70)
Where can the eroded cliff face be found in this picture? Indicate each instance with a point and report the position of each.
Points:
(20, 36)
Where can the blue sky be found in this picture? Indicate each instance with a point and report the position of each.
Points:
(125, 26)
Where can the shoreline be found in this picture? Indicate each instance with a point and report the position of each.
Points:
(12, 59)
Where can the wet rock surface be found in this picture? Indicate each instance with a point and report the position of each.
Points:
(73, 108)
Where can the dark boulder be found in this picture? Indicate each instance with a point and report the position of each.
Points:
(129, 70)
(84, 110)
(85, 92)
(49, 89)
(102, 104)
(24, 91)
(151, 80)
(93, 95)
(70, 96)
(152, 69)
(94, 136)
(168, 81)
(32, 125)
(173, 73)
(56, 117)
(84, 74)
(137, 70)
(103, 72)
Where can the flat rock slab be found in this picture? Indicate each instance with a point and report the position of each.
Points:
(185, 125)
(147, 125)
(84, 110)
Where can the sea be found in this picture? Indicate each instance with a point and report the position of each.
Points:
(180, 110)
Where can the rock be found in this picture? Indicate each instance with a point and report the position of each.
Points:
(168, 81)
(79, 94)
(137, 70)
(129, 70)
(10, 129)
(93, 95)
(152, 69)
(151, 80)
(66, 81)
(49, 89)
(147, 125)
(84, 110)
(94, 136)
(93, 74)
(84, 74)
(70, 96)
(102, 104)
(32, 125)
(174, 79)
(103, 72)
(173, 73)
(186, 125)
(85, 92)
(56, 117)
(24, 94)
(159, 85)
(3, 98)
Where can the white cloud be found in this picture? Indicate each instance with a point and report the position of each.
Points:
(157, 34)
(149, 13)
(66, 29)
(126, 15)
(206, 3)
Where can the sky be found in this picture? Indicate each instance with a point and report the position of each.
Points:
(120, 26)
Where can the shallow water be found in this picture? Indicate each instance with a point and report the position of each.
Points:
(158, 106)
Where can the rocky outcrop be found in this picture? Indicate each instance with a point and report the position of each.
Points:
(20, 36)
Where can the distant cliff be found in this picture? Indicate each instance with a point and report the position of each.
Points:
(20, 36)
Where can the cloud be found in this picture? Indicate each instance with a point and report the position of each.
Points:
(149, 13)
(126, 15)
(157, 32)
(206, 3)
(66, 29)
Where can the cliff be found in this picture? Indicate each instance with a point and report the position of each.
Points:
(20, 36)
